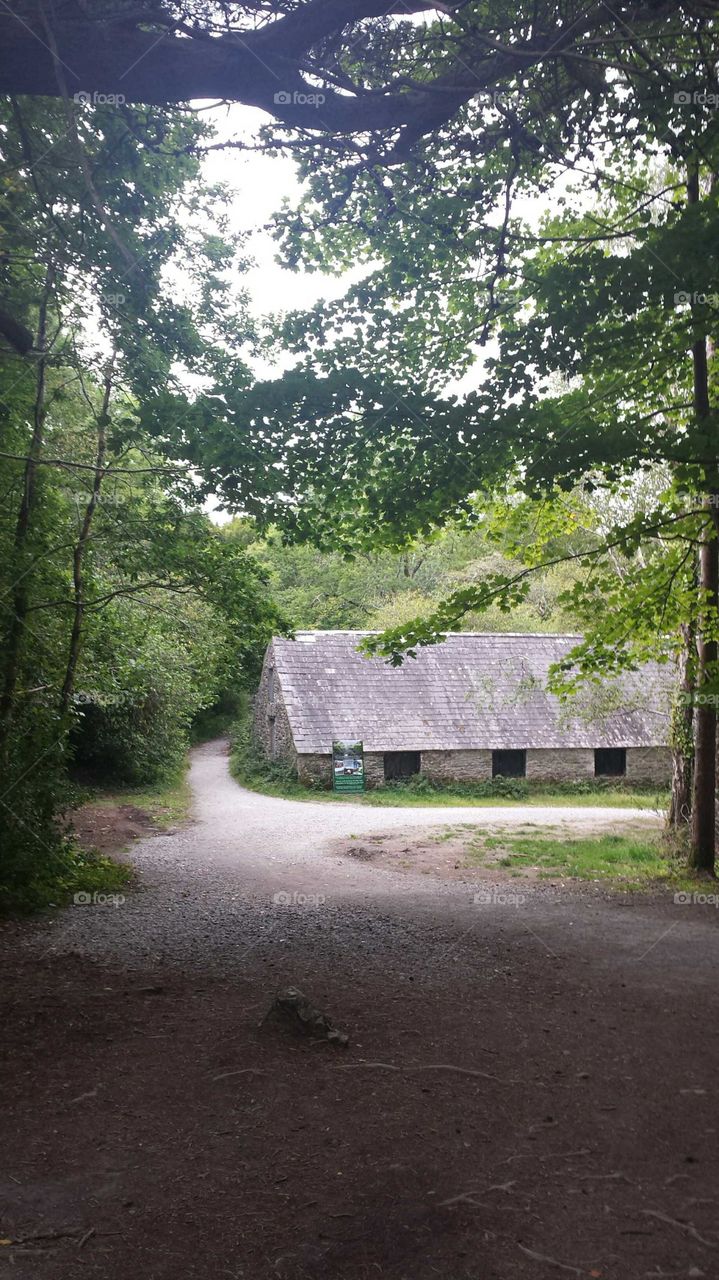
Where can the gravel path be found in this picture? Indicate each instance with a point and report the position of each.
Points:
(251, 874)
(527, 1092)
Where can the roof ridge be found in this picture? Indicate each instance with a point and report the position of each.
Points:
(448, 635)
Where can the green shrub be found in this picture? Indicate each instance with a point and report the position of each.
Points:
(419, 785)
(49, 876)
(518, 788)
(217, 721)
(132, 724)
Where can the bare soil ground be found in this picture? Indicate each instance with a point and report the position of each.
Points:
(111, 827)
(450, 852)
(527, 1093)
(444, 852)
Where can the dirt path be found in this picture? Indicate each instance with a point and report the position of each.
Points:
(527, 1085)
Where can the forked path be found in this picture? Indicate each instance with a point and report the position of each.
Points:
(527, 1092)
(224, 871)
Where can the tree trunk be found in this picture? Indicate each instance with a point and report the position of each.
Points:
(705, 718)
(680, 808)
(702, 854)
(20, 598)
(80, 550)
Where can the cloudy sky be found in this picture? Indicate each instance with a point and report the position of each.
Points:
(261, 183)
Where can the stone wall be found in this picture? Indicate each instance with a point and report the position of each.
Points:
(269, 710)
(571, 764)
(317, 769)
(456, 766)
(374, 768)
(644, 764)
(649, 764)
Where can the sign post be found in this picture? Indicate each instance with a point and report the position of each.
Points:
(347, 766)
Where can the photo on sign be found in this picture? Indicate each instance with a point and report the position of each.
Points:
(348, 758)
(348, 766)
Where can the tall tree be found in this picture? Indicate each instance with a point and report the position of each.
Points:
(98, 528)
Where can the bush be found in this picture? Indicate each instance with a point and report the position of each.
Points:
(415, 786)
(592, 786)
(217, 721)
(133, 744)
(48, 876)
(505, 788)
(132, 726)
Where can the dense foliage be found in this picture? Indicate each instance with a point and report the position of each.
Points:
(123, 610)
(528, 197)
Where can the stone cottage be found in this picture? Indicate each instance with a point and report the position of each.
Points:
(471, 708)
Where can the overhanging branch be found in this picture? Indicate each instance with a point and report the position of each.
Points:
(148, 62)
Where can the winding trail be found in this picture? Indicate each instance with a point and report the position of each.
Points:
(208, 891)
(528, 1086)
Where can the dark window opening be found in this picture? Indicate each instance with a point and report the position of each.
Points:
(610, 762)
(509, 764)
(401, 764)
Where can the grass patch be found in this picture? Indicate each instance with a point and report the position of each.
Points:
(59, 868)
(634, 858)
(167, 802)
(271, 777)
(541, 797)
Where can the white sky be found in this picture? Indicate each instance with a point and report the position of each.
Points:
(261, 182)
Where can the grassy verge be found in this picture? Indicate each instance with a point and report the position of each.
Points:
(166, 803)
(270, 777)
(635, 859)
(57, 871)
(540, 795)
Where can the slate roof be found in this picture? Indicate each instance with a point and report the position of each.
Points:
(472, 691)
